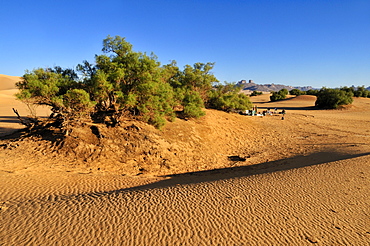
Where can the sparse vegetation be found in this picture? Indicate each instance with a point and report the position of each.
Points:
(124, 83)
(279, 95)
(256, 93)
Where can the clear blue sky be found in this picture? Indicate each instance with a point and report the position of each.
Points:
(296, 42)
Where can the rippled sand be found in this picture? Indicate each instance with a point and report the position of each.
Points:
(326, 203)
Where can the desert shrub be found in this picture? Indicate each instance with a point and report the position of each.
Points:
(192, 105)
(121, 82)
(191, 87)
(312, 92)
(297, 92)
(55, 89)
(332, 98)
(361, 92)
(228, 98)
(348, 89)
(256, 93)
(77, 102)
(279, 95)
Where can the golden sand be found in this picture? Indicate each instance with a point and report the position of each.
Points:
(305, 180)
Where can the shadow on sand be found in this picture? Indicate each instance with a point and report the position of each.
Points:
(9, 119)
(290, 108)
(9, 132)
(238, 172)
(265, 105)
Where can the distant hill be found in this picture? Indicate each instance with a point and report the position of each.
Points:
(8, 82)
(251, 86)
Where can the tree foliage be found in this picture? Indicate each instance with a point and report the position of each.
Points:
(333, 98)
(361, 92)
(297, 92)
(125, 83)
(256, 93)
(279, 95)
(312, 92)
(56, 88)
(228, 98)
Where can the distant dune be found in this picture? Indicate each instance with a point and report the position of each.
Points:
(8, 120)
(8, 82)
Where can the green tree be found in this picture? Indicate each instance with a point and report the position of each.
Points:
(333, 98)
(128, 82)
(361, 92)
(228, 98)
(312, 92)
(256, 93)
(297, 92)
(279, 95)
(53, 88)
(120, 83)
(348, 89)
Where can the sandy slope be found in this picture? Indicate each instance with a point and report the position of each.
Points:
(306, 180)
(8, 82)
(8, 120)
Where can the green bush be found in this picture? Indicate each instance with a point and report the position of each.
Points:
(192, 105)
(279, 95)
(228, 98)
(361, 92)
(121, 82)
(332, 98)
(54, 89)
(256, 93)
(312, 92)
(297, 92)
(77, 102)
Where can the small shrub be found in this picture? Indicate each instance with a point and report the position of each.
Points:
(279, 95)
(256, 93)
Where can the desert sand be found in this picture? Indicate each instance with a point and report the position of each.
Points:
(224, 179)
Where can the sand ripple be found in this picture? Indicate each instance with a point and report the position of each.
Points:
(292, 207)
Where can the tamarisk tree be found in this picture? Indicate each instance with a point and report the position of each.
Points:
(121, 83)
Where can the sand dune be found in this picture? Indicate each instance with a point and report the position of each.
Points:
(305, 181)
(8, 120)
(8, 82)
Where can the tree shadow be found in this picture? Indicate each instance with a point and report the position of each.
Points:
(238, 172)
(291, 108)
(9, 119)
(9, 132)
(313, 107)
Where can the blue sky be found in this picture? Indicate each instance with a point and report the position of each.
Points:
(316, 43)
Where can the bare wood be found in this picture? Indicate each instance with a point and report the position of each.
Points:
(23, 122)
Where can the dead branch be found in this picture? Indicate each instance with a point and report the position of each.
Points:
(28, 123)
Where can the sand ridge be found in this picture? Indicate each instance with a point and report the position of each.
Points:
(8, 82)
(305, 181)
